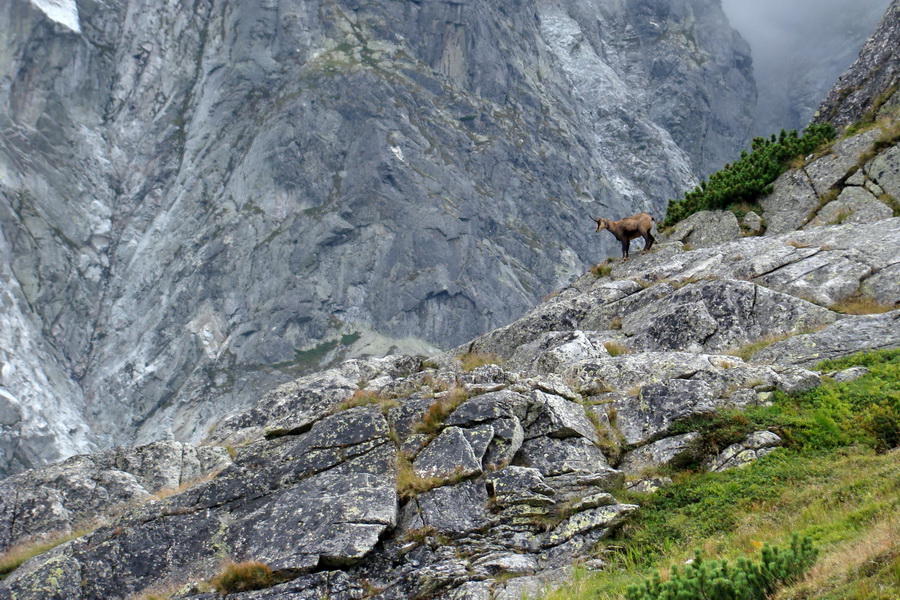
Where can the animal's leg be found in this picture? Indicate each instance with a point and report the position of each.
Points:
(625, 245)
(648, 241)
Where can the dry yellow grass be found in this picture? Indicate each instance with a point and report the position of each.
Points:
(441, 407)
(879, 545)
(747, 350)
(12, 558)
(859, 304)
(615, 349)
(410, 485)
(164, 493)
(472, 360)
(367, 398)
(243, 577)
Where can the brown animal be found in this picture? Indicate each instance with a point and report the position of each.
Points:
(629, 228)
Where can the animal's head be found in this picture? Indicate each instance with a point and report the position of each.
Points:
(601, 224)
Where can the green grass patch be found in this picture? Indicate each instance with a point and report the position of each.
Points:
(603, 269)
(837, 481)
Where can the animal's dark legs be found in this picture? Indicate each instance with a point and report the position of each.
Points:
(648, 241)
(625, 245)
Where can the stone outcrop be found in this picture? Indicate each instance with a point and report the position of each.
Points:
(199, 202)
(743, 453)
(78, 493)
(509, 482)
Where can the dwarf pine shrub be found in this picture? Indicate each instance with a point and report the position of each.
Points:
(752, 175)
(719, 580)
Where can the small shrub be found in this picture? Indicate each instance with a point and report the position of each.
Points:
(717, 430)
(604, 269)
(717, 580)
(615, 349)
(472, 360)
(243, 577)
(752, 175)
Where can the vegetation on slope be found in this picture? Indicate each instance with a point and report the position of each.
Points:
(837, 482)
(752, 175)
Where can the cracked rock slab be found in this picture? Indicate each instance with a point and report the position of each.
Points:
(602, 517)
(845, 337)
(449, 454)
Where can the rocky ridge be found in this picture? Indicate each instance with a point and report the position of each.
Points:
(408, 478)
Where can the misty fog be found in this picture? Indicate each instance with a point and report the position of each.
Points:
(800, 47)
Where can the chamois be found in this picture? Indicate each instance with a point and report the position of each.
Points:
(629, 228)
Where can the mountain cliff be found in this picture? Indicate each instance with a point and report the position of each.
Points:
(486, 472)
(868, 88)
(199, 201)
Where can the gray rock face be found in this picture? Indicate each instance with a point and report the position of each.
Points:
(790, 204)
(717, 315)
(884, 170)
(75, 494)
(520, 478)
(862, 87)
(325, 493)
(798, 194)
(198, 204)
(853, 205)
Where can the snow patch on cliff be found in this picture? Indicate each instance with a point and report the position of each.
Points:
(64, 12)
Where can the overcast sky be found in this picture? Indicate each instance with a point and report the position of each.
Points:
(791, 39)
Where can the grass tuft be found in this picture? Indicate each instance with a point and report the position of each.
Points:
(472, 360)
(439, 410)
(859, 304)
(243, 577)
(367, 398)
(410, 484)
(747, 350)
(615, 349)
(603, 269)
